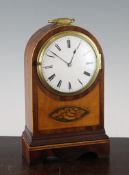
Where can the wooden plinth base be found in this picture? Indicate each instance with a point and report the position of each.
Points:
(66, 151)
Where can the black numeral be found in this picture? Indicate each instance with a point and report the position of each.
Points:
(68, 43)
(80, 82)
(58, 47)
(59, 83)
(50, 55)
(86, 73)
(51, 77)
(69, 86)
(48, 67)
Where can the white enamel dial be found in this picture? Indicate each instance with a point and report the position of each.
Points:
(68, 63)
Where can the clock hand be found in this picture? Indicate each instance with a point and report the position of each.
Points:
(59, 57)
(75, 50)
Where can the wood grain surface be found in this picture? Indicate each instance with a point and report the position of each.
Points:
(11, 162)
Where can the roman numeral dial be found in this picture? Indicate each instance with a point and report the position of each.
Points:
(80, 82)
(58, 47)
(69, 85)
(59, 84)
(68, 43)
(68, 63)
(51, 77)
(48, 67)
(86, 73)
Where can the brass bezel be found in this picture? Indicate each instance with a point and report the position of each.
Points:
(46, 45)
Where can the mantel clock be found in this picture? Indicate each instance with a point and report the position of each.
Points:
(64, 93)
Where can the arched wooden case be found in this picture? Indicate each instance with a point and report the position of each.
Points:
(45, 136)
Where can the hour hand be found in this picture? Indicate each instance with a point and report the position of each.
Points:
(59, 57)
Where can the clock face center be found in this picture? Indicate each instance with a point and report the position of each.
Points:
(69, 64)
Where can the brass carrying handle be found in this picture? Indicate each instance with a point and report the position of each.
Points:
(62, 21)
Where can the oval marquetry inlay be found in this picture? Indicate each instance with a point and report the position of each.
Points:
(68, 113)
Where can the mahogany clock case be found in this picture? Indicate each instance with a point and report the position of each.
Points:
(36, 95)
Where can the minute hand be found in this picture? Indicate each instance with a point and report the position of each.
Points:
(59, 57)
(74, 53)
